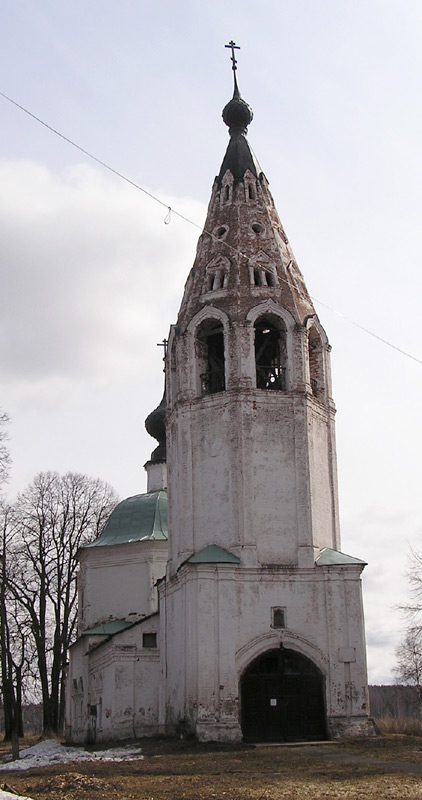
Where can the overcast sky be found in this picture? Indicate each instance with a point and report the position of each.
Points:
(92, 277)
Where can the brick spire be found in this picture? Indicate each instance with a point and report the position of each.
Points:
(243, 255)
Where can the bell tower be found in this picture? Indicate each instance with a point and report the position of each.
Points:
(261, 614)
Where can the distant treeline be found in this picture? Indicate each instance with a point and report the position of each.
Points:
(394, 701)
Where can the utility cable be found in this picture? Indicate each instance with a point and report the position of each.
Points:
(98, 161)
(170, 210)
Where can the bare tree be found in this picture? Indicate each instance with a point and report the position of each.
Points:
(409, 652)
(10, 684)
(4, 450)
(11, 671)
(53, 518)
(409, 660)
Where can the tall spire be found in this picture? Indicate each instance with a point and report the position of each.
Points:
(237, 115)
(244, 253)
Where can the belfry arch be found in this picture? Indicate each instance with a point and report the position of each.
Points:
(207, 352)
(211, 357)
(270, 353)
(282, 698)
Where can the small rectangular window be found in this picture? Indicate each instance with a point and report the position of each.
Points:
(149, 640)
(278, 617)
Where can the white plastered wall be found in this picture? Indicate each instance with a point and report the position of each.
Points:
(224, 622)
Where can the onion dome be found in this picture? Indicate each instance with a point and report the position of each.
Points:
(155, 424)
(237, 114)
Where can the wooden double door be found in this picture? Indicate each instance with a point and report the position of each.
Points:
(282, 696)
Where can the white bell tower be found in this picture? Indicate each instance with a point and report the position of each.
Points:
(261, 614)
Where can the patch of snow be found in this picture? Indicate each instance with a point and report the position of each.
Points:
(52, 752)
(9, 796)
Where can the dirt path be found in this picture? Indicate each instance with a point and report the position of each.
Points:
(385, 767)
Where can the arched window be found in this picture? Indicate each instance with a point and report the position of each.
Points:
(210, 352)
(270, 354)
(263, 277)
(262, 270)
(316, 367)
(251, 192)
(217, 271)
(216, 280)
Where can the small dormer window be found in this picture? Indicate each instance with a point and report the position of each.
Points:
(264, 277)
(226, 190)
(217, 280)
(217, 273)
(262, 270)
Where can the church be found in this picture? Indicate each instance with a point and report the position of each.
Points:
(219, 604)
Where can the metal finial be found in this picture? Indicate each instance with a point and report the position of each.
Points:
(164, 344)
(233, 46)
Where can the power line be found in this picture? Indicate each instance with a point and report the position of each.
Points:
(171, 210)
(97, 160)
(366, 330)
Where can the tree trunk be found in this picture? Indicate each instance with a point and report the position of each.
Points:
(62, 705)
(15, 745)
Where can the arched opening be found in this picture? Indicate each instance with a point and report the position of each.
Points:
(282, 696)
(270, 354)
(316, 366)
(263, 277)
(210, 353)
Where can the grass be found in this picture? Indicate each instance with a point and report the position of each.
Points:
(407, 725)
(172, 770)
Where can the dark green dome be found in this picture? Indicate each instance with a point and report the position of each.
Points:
(136, 519)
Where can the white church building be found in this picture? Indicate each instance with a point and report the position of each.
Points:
(236, 616)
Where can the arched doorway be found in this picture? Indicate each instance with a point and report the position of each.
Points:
(282, 698)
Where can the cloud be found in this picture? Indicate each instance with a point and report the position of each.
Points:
(92, 280)
(91, 273)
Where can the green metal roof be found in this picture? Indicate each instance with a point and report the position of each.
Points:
(108, 628)
(329, 557)
(136, 519)
(213, 554)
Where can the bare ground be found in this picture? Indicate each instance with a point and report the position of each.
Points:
(372, 769)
